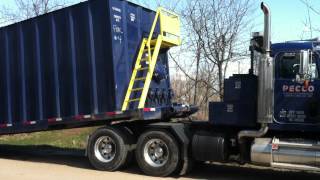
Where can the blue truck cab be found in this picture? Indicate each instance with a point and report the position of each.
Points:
(296, 96)
(296, 101)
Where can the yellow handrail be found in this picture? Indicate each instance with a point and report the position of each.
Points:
(153, 27)
(169, 23)
(169, 36)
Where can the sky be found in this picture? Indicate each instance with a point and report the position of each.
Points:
(288, 17)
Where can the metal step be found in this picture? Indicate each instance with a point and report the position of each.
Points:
(142, 69)
(169, 24)
(137, 89)
(134, 100)
(144, 59)
(146, 50)
(140, 78)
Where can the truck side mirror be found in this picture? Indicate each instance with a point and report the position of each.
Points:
(304, 63)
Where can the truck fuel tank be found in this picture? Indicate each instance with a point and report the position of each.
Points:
(299, 154)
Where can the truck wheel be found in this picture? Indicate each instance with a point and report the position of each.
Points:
(109, 149)
(157, 153)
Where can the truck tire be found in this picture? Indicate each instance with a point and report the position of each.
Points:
(157, 153)
(109, 149)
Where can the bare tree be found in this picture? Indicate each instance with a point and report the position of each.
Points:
(217, 26)
(29, 8)
(212, 36)
(311, 10)
(215, 35)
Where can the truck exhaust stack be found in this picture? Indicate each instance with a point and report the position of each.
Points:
(265, 83)
(265, 73)
(267, 27)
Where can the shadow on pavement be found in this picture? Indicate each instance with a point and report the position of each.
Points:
(76, 158)
(230, 172)
(46, 154)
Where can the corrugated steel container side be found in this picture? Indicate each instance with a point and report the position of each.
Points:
(74, 61)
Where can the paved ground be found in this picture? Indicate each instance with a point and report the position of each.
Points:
(43, 163)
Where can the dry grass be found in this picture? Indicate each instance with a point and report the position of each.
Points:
(71, 138)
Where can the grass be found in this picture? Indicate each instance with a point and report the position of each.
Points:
(71, 138)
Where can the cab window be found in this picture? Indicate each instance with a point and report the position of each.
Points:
(313, 69)
(290, 64)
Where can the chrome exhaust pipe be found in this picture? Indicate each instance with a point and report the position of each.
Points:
(253, 134)
(266, 73)
(267, 28)
(265, 89)
(263, 74)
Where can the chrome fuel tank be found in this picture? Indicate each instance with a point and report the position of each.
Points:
(286, 153)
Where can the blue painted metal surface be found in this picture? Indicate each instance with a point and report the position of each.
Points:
(239, 104)
(294, 46)
(233, 114)
(297, 106)
(73, 63)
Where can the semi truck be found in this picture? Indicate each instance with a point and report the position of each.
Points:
(104, 62)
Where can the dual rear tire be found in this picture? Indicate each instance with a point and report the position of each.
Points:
(109, 149)
(157, 152)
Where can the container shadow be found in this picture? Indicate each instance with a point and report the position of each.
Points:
(54, 155)
(46, 154)
(76, 158)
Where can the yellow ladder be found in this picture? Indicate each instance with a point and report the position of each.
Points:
(146, 61)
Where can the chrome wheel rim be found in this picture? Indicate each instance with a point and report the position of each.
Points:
(156, 153)
(105, 149)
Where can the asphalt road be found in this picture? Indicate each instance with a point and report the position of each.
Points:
(46, 163)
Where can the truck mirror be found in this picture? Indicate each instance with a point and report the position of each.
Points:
(304, 63)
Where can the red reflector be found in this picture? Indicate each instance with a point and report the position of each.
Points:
(149, 109)
(111, 113)
(5, 125)
(275, 147)
(50, 120)
(78, 117)
(30, 122)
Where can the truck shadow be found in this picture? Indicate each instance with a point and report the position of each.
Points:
(230, 172)
(76, 158)
(45, 154)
